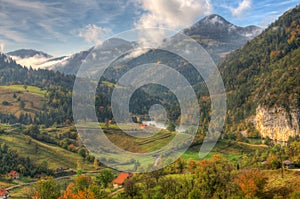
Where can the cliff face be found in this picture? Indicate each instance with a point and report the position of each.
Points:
(277, 123)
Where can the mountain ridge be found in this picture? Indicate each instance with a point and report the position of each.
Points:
(213, 41)
(25, 53)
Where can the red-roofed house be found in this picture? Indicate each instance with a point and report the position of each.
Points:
(119, 181)
(4, 194)
(143, 126)
(14, 175)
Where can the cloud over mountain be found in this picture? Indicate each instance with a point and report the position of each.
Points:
(94, 34)
(169, 14)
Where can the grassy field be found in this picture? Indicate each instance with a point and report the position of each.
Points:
(31, 89)
(229, 150)
(39, 151)
(10, 97)
(232, 151)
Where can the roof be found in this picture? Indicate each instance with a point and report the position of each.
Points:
(3, 192)
(13, 173)
(121, 178)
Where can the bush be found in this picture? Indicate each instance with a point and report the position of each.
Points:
(5, 103)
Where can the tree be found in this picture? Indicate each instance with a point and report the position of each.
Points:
(294, 151)
(251, 182)
(22, 104)
(4, 147)
(43, 167)
(82, 152)
(106, 123)
(36, 148)
(95, 163)
(192, 165)
(83, 182)
(71, 193)
(5, 103)
(171, 127)
(156, 174)
(215, 178)
(180, 165)
(170, 187)
(130, 188)
(278, 151)
(104, 178)
(47, 188)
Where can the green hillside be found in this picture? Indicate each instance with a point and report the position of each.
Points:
(38, 151)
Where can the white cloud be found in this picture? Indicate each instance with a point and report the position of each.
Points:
(19, 26)
(244, 5)
(173, 14)
(34, 61)
(170, 14)
(135, 53)
(94, 34)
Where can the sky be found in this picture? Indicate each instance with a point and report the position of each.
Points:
(65, 27)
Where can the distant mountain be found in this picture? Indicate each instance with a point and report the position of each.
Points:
(217, 28)
(29, 57)
(219, 37)
(111, 47)
(26, 53)
(69, 64)
(214, 33)
(49, 63)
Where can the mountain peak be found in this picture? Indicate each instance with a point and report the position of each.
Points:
(116, 42)
(215, 19)
(26, 53)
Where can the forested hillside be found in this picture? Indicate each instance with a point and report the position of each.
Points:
(265, 72)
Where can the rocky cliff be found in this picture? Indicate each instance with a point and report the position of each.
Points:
(277, 123)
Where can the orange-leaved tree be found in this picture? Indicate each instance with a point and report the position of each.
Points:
(251, 182)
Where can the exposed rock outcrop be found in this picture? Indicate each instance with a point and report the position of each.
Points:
(277, 123)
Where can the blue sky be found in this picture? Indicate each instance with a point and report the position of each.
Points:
(63, 27)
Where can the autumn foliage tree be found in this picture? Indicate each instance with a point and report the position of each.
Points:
(47, 188)
(251, 182)
(71, 193)
(84, 188)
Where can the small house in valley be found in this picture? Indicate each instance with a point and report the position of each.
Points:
(14, 175)
(120, 180)
(4, 194)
